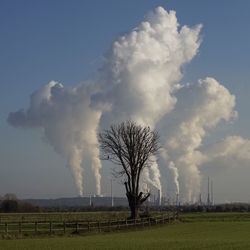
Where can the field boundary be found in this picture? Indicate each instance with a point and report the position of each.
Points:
(82, 227)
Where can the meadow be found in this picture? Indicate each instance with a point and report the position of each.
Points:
(195, 231)
(197, 235)
(62, 216)
(16, 226)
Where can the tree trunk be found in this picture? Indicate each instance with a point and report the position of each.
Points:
(135, 201)
(134, 205)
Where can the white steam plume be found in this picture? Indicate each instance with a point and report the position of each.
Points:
(175, 173)
(139, 81)
(68, 124)
(231, 151)
(208, 103)
(173, 169)
(152, 176)
(142, 71)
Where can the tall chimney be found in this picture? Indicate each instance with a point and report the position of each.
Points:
(111, 195)
(177, 199)
(90, 201)
(212, 193)
(208, 193)
(159, 197)
(200, 199)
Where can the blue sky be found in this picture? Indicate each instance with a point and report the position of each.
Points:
(65, 41)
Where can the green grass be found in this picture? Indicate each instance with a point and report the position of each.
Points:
(212, 217)
(196, 231)
(93, 216)
(61, 224)
(195, 235)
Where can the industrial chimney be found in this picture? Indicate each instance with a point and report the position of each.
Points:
(159, 197)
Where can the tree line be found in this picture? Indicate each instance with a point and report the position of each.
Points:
(10, 204)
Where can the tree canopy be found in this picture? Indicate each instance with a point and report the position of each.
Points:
(130, 146)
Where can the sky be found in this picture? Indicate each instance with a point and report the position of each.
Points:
(70, 42)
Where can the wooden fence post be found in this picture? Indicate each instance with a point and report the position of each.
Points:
(99, 227)
(50, 227)
(88, 226)
(35, 227)
(20, 227)
(64, 227)
(149, 221)
(76, 227)
(6, 228)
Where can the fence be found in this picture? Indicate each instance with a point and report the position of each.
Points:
(19, 228)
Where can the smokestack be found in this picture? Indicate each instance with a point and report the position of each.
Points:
(177, 199)
(159, 197)
(208, 193)
(90, 200)
(112, 200)
(212, 194)
(200, 200)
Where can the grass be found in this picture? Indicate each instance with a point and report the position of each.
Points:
(65, 224)
(213, 217)
(67, 216)
(195, 235)
(203, 235)
(230, 233)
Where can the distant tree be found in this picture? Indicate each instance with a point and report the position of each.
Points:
(9, 206)
(10, 196)
(131, 146)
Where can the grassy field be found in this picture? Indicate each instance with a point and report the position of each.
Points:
(215, 217)
(116, 215)
(196, 231)
(16, 226)
(92, 216)
(194, 235)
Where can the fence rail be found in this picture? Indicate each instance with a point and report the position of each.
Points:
(19, 228)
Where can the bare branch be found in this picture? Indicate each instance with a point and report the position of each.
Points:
(130, 146)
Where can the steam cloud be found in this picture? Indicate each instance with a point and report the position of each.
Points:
(142, 71)
(174, 170)
(203, 113)
(231, 151)
(139, 80)
(68, 124)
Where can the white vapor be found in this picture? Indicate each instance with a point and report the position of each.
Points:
(233, 151)
(208, 103)
(140, 81)
(142, 70)
(175, 173)
(68, 124)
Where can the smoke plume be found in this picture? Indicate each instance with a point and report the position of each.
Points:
(175, 173)
(230, 151)
(67, 123)
(142, 70)
(203, 113)
(139, 80)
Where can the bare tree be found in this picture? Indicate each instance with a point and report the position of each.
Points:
(130, 146)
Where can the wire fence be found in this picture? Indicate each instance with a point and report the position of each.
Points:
(36, 228)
